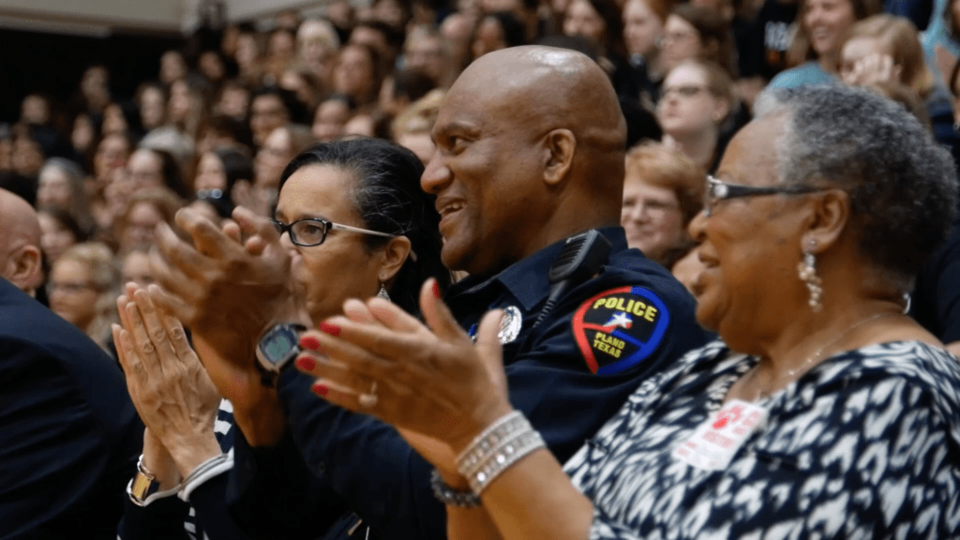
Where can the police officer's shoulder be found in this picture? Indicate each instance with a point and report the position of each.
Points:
(629, 314)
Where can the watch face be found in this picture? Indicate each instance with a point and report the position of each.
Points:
(276, 347)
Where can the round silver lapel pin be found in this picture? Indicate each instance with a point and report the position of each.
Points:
(510, 325)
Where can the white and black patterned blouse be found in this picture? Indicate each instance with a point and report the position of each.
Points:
(865, 445)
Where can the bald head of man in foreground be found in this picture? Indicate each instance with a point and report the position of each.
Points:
(20, 258)
(530, 150)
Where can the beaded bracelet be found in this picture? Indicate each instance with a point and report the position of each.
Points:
(450, 496)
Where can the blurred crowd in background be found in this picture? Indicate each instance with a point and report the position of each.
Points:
(225, 113)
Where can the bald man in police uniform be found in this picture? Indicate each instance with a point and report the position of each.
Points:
(530, 152)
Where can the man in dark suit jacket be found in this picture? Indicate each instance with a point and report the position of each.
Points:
(69, 435)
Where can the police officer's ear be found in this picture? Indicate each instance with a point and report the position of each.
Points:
(559, 146)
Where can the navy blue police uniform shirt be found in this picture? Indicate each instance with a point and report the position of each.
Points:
(569, 374)
(69, 435)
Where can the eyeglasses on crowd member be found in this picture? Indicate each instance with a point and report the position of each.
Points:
(823, 410)
(220, 172)
(353, 222)
(662, 192)
(696, 99)
(82, 287)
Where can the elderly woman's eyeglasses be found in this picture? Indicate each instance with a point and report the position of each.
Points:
(718, 191)
(311, 232)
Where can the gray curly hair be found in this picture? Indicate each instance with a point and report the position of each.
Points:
(902, 185)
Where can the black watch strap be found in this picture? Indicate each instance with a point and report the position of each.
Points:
(276, 350)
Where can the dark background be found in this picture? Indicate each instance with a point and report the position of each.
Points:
(52, 64)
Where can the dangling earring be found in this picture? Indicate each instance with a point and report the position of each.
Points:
(808, 275)
(383, 292)
(906, 303)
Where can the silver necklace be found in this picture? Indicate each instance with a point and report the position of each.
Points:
(796, 372)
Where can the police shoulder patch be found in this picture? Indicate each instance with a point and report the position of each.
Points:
(619, 328)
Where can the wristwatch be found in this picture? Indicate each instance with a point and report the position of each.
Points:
(276, 349)
(144, 484)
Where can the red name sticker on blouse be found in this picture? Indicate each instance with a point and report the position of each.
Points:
(717, 440)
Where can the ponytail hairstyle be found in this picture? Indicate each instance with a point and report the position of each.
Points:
(388, 199)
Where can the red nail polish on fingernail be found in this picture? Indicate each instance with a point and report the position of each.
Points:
(320, 389)
(309, 342)
(436, 290)
(306, 363)
(330, 328)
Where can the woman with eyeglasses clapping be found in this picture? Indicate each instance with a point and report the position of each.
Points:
(353, 221)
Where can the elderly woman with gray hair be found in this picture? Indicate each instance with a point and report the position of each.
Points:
(823, 411)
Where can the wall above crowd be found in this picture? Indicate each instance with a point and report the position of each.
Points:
(102, 17)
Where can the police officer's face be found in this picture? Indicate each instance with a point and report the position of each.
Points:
(484, 173)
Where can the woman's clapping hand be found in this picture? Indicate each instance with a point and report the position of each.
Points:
(428, 379)
(168, 385)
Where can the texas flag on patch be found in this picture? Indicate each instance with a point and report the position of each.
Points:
(619, 328)
(619, 319)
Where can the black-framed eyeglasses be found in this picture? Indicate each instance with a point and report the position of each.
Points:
(311, 232)
(718, 190)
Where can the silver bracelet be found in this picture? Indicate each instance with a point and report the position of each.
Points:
(488, 439)
(496, 449)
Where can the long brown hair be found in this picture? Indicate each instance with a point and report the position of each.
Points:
(901, 40)
(714, 33)
(801, 49)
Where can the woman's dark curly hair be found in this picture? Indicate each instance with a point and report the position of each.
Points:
(389, 199)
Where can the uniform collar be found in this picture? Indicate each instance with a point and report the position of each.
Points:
(527, 280)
